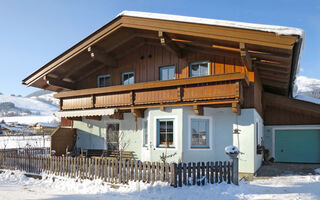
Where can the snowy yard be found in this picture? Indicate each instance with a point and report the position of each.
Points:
(17, 186)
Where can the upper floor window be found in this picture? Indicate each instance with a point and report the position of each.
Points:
(199, 69)
(127, 78)
(165, 133)
(167, 73)
(199, 133)
(104, 81)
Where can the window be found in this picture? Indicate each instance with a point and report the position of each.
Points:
(199, 133)
(145, 133)
(199, 69)
(104, 81)
(165, 133)
(167, 73)
(127, 78)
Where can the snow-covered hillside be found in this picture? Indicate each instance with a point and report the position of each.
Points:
(44, 96)
(36, 107)
(307, 89)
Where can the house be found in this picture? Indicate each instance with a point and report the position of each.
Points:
(184, 88)
(43, 128)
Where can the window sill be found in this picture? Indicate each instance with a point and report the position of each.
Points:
(200, 148)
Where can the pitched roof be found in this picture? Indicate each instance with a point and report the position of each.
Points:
(281, 30)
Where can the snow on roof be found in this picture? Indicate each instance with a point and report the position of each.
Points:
(281, 30)
(44, 124)
(308, 99)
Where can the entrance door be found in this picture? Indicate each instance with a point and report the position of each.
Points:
(113, 137)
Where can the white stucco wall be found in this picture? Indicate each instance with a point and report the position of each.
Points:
(222, 121)
(92, 133)
(152, 152)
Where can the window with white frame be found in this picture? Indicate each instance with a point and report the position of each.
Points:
(127, 78)
(165, 133)
(199, 69)
(167, 73)
(199, 133)
(145, 133)
(104, 81)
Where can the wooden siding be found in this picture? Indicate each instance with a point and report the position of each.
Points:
(157, 96)
(66, 122)
(79, 103)
(113, 100)
(284, 111)
(63, 139)
(146, 60)
(253, 95)
(209, 92)
(285, 116)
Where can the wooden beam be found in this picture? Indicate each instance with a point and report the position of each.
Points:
(284, 59)
(267, 63)
(198, 109)
(58, 83)
(274, 83)
(169, 44)
(98, 118)
(138, 113)
(84, 76)
(236, 108)
(245, 57)
(75, 118)
(274, 76)
(99, 55)
(212, 51)
(271, 69)
(117, 115)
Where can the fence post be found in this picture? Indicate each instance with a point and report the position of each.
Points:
(233, 153)
(235, 170)
(173, 169)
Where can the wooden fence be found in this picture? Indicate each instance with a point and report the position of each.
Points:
(121, 172)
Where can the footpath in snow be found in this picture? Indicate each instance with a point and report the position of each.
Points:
(14, 185)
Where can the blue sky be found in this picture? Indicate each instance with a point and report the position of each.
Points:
(34, 32)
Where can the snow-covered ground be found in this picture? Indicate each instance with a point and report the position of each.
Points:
(21, 141)
(32, 119)
(17, 186)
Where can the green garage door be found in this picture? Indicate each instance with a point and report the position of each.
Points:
(301, 146)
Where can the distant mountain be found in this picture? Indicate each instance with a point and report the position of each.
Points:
(307, 89)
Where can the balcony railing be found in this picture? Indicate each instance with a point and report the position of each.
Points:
(201, 90)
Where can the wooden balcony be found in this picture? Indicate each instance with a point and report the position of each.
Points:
(207, 90)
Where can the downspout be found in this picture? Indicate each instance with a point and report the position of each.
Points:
(295, 63)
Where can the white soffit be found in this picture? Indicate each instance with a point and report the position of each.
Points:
(84, 113)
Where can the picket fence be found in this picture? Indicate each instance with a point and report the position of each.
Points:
(121, 172)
